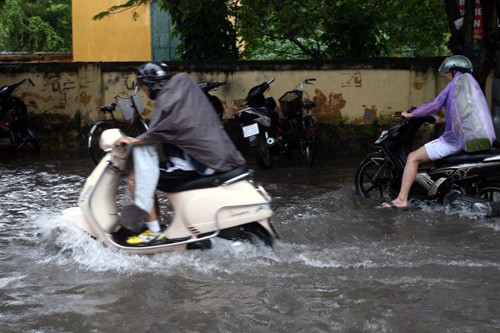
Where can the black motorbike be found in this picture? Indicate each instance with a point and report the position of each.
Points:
(464, 180)
(208, 86)
(260, 125)
(14, 129)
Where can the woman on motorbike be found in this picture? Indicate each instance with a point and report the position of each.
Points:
(466, 111)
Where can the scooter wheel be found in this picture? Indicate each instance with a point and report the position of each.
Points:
(262, 153)
(33, 146)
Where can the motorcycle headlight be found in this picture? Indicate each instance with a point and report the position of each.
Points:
(382, 136)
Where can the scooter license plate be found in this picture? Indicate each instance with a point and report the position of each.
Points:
(250, 130)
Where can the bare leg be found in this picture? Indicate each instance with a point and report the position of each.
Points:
(410, 172)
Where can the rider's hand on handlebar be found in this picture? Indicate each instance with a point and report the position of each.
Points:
(439, 119)
(407, 115)
(123, 141)
(126, 140)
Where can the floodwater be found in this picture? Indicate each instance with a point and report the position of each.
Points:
(341, 265)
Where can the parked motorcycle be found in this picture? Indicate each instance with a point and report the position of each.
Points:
(14, 128)
(225, 205)
(465, 180)
(208, 86)
(260, 125)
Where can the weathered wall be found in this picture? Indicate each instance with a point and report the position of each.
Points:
(352, 98)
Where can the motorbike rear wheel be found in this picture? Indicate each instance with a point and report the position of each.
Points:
(33, 146)
(32, 142)
(95, 136)
(262, 152)
(490, 191)
(252, 232)
(373, 178)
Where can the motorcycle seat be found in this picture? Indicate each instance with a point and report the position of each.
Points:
(464, 157)
(213, 180)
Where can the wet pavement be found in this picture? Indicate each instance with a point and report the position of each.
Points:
(341, 265)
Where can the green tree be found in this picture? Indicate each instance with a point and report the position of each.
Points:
(325, 29)
(328, 29)
(307, 29)
(35, 26)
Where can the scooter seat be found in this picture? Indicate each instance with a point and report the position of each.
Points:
(464, 157)
(211, 181)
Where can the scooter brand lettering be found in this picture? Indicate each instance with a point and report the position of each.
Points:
(238, 213)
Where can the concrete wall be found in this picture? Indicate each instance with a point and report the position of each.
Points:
(67, 96)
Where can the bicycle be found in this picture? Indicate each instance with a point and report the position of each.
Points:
(132, 108)
(299, 113)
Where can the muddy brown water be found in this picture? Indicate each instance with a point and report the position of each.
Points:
(340, 266)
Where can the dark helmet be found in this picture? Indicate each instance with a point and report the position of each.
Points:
(150, 74)
(456, 62)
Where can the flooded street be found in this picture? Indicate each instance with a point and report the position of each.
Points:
(341, 265)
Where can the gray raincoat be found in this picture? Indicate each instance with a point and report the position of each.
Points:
(185, 118)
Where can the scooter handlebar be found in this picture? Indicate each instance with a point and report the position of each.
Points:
(427, 119)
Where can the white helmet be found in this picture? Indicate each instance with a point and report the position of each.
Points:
(457, 62)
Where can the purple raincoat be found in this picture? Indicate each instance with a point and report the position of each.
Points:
(467, 116)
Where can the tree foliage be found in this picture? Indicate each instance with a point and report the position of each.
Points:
(35, 26)
(325, 29)
(307, 29)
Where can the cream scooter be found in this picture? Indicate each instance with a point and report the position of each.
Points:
(225, 205)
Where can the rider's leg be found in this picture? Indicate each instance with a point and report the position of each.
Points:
(151, 222)
(413, 161)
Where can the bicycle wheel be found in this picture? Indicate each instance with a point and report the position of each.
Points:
(309, 153)
(309, 149)
(136, 128)
(94, 137)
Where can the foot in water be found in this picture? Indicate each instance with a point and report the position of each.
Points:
(393, 205)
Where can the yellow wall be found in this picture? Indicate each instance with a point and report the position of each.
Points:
(356, 96)
(115, 38)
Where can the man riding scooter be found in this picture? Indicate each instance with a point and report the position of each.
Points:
(189, 133)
